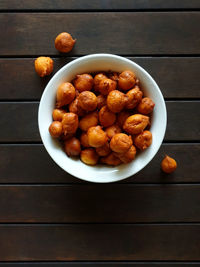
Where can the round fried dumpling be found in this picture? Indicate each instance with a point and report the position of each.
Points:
(106, 86)
(88, 121)
(146, 106)
(89, 156)
(75, 108)
(64, 42)
(65, 94)
(57, 114)
(72, 147)
(116, 101)
(126, 80)
(106, 117)
(168, 164)
(87, 101)
(83, 82)
(134, 97)
(136, 123)
(112, 130)
(43, 66)
(120, 143)
(97, 79)
(55, 129)
(69, 123)
(96, 136)
(143, 140)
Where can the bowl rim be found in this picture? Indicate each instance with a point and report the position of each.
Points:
(91, 56)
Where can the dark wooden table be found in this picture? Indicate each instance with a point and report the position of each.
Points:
(49, 218)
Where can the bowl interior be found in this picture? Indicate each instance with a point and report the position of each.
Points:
(93, 63)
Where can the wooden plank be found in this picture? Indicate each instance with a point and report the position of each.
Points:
(168, 73)
(96, 4)
(19, 122)
(94, 203)
(183, 121)
(145, 33)
(99, 242)
(34, 165)
(100, 264)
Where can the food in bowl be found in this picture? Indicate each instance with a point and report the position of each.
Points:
(102, 117)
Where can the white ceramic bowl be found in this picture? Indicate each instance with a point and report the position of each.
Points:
(92, 63)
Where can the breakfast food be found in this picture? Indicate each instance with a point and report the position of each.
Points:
(89, 120)
(72, 147)
(106, 117)
(102, 117)
(106, 86)
(65, 94)
(112, 130)
(126, 80)
(57, 114)
(134, 96)
(143, 140)
(83, 82)
(89, 156)
(55, 129)
(64, 42)
(97, 79)
(96, 136)
(121, 142)
(116, 101)
(135, 124)
(69, 123)
(75, 108)
(87, 101)
(168, 164)
(43, 66)
(145, 106)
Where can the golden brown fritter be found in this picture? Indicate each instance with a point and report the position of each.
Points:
(135, 124)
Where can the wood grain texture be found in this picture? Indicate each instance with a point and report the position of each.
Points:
(102, 264)
(153, 33)
(169, 73)
(32, 164)
(183, 120)
(96, 4)
(99, 242)
(100, 204)
(19, 122)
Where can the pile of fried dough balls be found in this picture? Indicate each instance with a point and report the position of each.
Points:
(103, 117)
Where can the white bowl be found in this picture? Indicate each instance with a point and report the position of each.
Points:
(92, 63)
